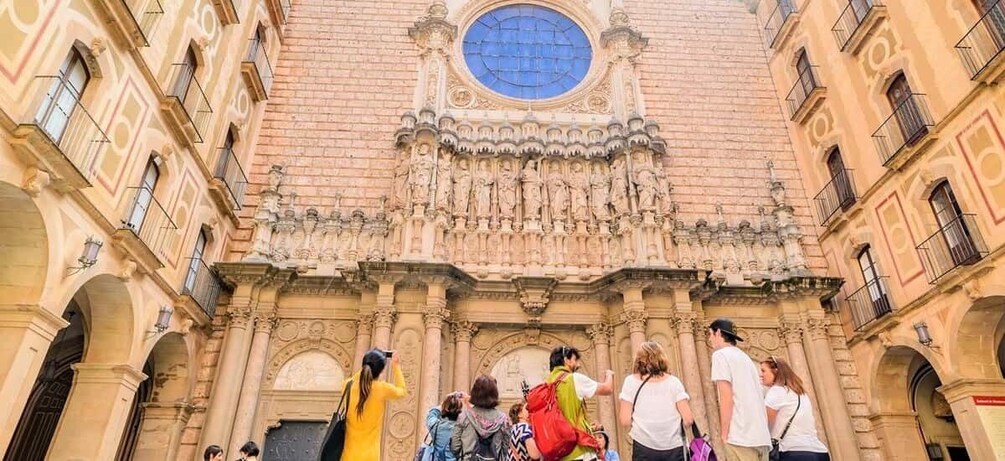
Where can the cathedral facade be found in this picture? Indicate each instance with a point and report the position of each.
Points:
(216, 207)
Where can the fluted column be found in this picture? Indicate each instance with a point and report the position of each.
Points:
(601, 335)
(683, 322)
(384, 315)
(792, 333)
(433, 315)
(229, 376)
(364, 333)
(265, 322)
(834, 410)
(463, 331)
(634, 313)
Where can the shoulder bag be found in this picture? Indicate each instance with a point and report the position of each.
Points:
(775, 454)
(334, 440)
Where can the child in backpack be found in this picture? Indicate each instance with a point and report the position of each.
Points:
(482, 432)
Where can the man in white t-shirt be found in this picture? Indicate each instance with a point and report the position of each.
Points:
(565, 360)
(744, 423)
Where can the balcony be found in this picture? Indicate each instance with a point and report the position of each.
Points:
(201, 286)
(958, 243)
(279, 11)
(780, 23)
(870, 303)
(838, 194)
(132, 22)
(229, 182)
(906, 130)
(146, 231)
(257, 71)
(227, 11)
(981, 48)
(185, 105)
(58, 135)
(857, 21)
(805, 96)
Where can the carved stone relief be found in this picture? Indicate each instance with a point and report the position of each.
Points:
(310, 370)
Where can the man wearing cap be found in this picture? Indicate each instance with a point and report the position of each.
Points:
(744, 423)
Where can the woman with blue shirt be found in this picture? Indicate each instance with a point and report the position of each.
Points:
(440, 422)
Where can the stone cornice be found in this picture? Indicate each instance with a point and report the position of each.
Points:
(769, 292)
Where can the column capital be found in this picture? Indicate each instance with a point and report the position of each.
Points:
(684, 322)
(364, 324)
(239, 315)
(33, 316)
(463, 330)
(265, 322)
(635, 319)
(108, 373)
(433, 315)
(816, 328)
(600, 333)
(791, 331)
(384, 316)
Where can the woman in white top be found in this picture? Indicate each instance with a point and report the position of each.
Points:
(653, 404)
(786, 401)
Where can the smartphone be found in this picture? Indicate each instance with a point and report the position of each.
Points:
(388, 354)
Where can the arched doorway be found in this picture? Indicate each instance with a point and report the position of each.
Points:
(161, 408)
(935, 416)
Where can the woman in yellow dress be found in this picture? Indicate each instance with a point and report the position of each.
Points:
(367, 400)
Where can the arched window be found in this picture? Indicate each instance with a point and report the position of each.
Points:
(257, 43)
(195, 262)
(185, 74)
(953, 228)
(60, 102)
(841, 179)
(144, 196)
(876, 288)
(909, 117)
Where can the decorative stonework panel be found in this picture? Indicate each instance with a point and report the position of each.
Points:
(311, 370)
(899, 239)
(984, 151)
(527, 364)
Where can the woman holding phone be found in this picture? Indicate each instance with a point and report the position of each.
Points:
(367, 400)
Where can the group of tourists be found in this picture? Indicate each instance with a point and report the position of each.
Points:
(764, 413)
(248, 452)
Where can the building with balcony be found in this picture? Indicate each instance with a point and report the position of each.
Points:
(126, 129)
(913, 108)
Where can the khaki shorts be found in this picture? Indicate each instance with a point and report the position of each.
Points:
(738, 453)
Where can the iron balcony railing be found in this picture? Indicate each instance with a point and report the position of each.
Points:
(56, 110)
(839, 193)
(801, 90)
(908, 124)
(202, 285)
(149, 221)
(958, 243)
(984, 41)
(229, 170)
(258, 57)
(854, 14)
(777, 19)
(185, 87)
(869, 303)
(146, 14)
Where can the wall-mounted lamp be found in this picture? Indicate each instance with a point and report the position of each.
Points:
(924, 337)
(89, 256)
(163, 319)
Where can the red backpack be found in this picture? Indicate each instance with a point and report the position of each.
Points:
(554, 435)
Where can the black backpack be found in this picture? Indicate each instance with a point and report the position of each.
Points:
(483, 449)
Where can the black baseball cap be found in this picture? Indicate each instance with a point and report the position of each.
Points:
(725, 326)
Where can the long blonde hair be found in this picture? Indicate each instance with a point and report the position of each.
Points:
(785, 376)
(650, 360)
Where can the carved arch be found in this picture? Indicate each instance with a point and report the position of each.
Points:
(280, 357)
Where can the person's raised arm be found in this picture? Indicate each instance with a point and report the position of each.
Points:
(398, 389)
(606, 387)
(725, 407)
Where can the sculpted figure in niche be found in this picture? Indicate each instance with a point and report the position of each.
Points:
(619, 187)
(401, 181)
(558, 192)
(664, 189)
(483, 190)
(579, 183)
(645, 180)
(600, 186)
(443, 181)
(422, 172)
(531, 190)
(507, 189)
(462, 188)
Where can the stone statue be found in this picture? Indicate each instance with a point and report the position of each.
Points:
(483, 190)
(531, 190)
(462, 188)
(558, 192)
(664, 188)
(645, 180)
(421, 174)
(401, 181)
(507, 189)
(579, 185)
(600, 186)
(619, 187)
(443, 182)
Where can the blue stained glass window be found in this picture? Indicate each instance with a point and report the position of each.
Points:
(527, 51)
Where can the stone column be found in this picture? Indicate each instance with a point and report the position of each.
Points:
(384, 315)
(968, 399)
(601, 335)
(364, 331)
(434, 313)
(834, 410)
(229, 376)
(634, 314)
(791, 332)
(26, 331)
(683, 322)
(899, 436)
(463, 331)
(711, 394)
(265, 322)
(160, 431)
(95, 414)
